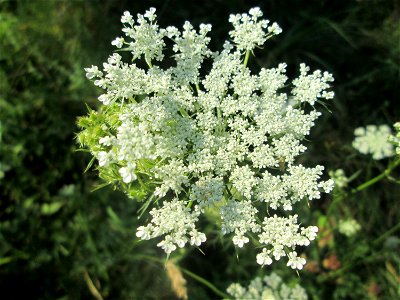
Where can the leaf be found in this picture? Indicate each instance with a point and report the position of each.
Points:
(113, 216)
(51, 208)
(337, 28)
(5, 260)
(82, 150)
(89, 164)
(144, 207)
(100, 186)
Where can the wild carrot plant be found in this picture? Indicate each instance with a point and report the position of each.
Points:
(189, 141)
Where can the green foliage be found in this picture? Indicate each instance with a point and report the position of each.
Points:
(104, 122)
(54, 230)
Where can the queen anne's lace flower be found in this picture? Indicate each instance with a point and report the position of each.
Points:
(308, 88)
(374, 140)
(207, 190)
(239, 217)
(349, 227)
(280, 233)
(225, 142)
(147, 37)
(176, 222)
(295, 262)
(271, 287)
(128, 173)
(250, 32)
(190, 48)
(339, 177)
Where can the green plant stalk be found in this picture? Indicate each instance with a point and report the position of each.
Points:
(386, 234)
(206, 283)
(246, 58)
(148, 61)
(92, 288)
(337, 200)
(374, 180)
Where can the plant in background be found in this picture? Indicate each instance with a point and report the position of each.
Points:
(3, 166)
(378, 141)
(49, 219)
(339, 177)
(349, 218)
(224, 142)
(269, 287)
(349, 227)
(374, 140)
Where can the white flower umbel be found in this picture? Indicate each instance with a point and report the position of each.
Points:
(249, 31)
(349, 227)
(176, 223)
(271, 287)
(310, 87)
(225, 142)
(207, 190)
(374, 140)
(303, 182)
(239, 217)
(147, 37)
(339, 177)
(281, 233)
(190, 48)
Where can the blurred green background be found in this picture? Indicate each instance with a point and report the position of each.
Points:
(61, 240)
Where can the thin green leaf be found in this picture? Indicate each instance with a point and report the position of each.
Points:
(113, 216)
(145, 206)
(100, 186)
(89, 164)
(340, 32)
(6, 260)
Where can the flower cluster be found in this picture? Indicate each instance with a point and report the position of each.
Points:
(349, 227)
(280, 233)
(250, 32)
(225, 141)
(339, 177)
(269, 287)
(374, 140)
(176, 222)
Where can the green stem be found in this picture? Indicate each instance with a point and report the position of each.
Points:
(246, 58)
(337, 200)
(92, 288)
(184, 112)
(386, 234)
(221, 127)
(374, 180)
(229, 192)
(148, 61)
(206, 283)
